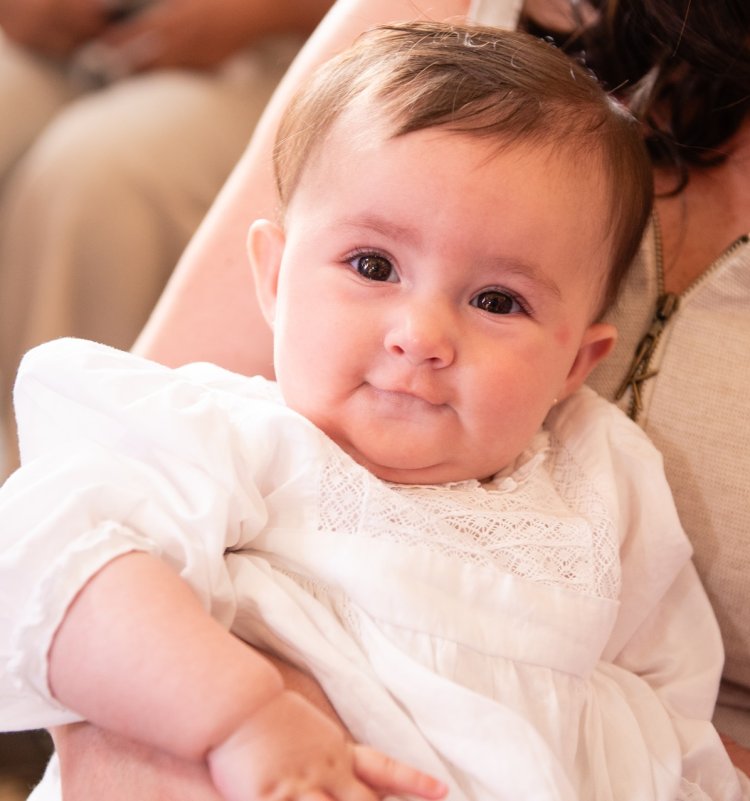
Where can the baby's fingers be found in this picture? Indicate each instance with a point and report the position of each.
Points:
(388, 775)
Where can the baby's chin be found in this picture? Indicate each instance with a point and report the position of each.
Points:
(409, 469)
(404, 456)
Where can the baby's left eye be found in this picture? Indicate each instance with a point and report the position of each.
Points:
(374, 267)
(496, 301)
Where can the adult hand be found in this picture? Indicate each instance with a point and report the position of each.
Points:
(201, 34)
(52, 27)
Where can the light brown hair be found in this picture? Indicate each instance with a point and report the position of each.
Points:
(505, 86)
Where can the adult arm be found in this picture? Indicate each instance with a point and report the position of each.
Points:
(196, 34)
(52, 27)
(208, 311)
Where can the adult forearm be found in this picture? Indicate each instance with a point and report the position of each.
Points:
(52, 27)
(284, 15)
(96, 764)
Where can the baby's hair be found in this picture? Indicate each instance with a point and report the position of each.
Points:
(500, 85)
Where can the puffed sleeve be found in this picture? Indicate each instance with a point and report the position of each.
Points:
(121, 454)
(664, 655)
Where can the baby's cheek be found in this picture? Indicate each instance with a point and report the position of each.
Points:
(562, 335)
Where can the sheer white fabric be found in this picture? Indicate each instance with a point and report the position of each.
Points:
(566, 652)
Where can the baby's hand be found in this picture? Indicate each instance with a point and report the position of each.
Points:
(288, 750)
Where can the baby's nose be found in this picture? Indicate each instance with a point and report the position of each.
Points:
(423, 333)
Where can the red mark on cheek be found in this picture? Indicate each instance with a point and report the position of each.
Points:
(562, 335)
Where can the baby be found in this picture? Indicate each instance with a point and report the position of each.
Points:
(477, 559)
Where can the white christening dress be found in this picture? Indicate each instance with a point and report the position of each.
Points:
(541, 637)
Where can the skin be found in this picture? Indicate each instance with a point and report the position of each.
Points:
(166, 34)
(144, 772)
(52, 27)
(706, 217)
(420, 383)
(197, 34)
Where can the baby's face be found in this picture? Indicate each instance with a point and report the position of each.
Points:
(435, 297)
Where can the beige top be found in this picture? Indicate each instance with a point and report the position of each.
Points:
(696, 411)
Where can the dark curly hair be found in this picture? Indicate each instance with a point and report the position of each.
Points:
(682, 66)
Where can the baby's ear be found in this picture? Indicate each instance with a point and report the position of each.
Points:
(596, 344)
(265, 247)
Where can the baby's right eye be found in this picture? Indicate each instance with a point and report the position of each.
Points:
(374, 267)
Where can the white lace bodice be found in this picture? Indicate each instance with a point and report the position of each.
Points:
(543, 521)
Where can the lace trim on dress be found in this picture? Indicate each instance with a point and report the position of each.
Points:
(545, 521)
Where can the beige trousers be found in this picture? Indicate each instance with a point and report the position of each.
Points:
(101, 190)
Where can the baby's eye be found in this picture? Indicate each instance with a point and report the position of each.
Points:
(496, 301)
(374, 267)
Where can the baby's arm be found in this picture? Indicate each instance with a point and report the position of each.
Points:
(96, 764)
(165, 674)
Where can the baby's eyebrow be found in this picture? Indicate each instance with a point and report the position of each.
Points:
(386, 227)
(525, 271)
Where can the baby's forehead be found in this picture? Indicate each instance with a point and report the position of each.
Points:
(363, 127)
(358, 145)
